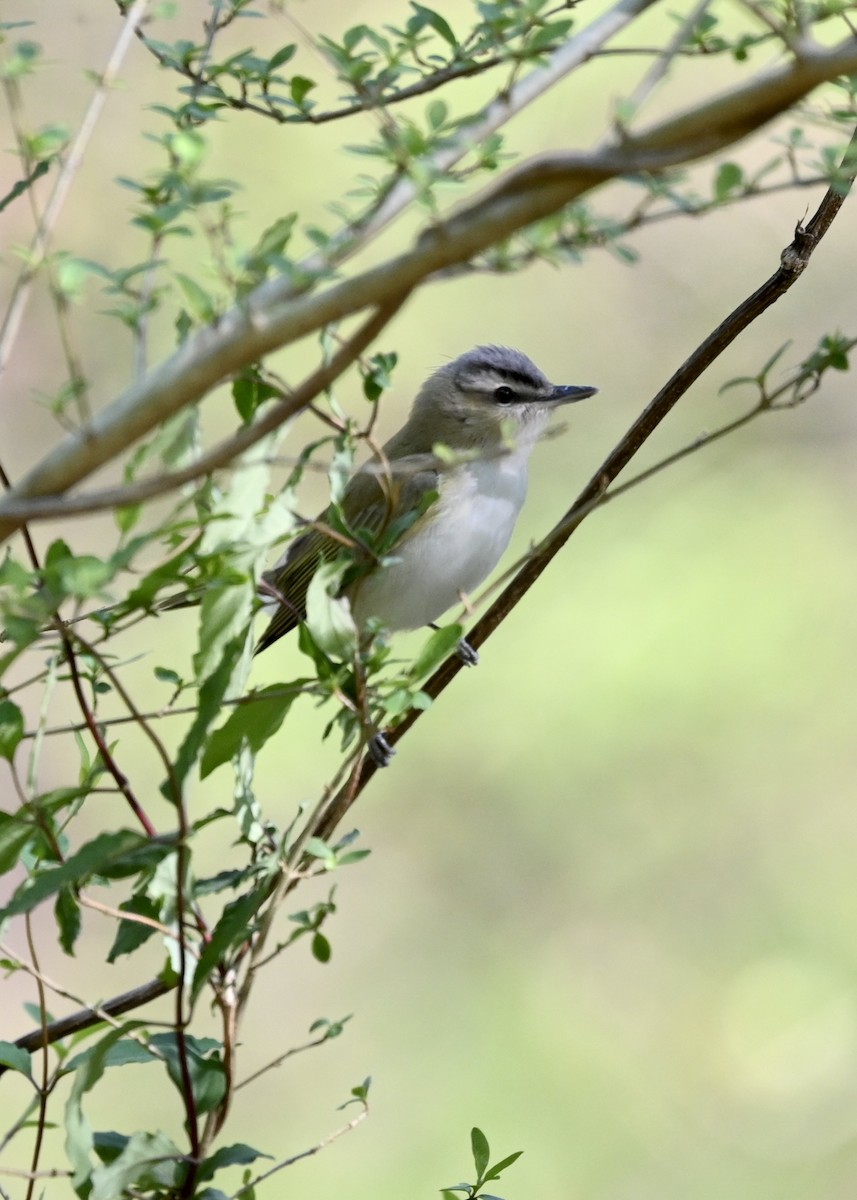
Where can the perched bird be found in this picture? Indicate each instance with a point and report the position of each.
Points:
(454, 508)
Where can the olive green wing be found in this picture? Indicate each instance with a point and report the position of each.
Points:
(370, 503)
(288, 582)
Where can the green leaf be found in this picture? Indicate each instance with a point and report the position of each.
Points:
(320, 849)
(231, 931)
(238, 1155)
(207, 1074)
(249, 390)
(254, 721)
(148, 1162)
(83, 576)
(11, 728)
(87, 1069)
(199, 301)
(437, 648)
(481, 1152)
(729, 179)
(299, 86)
(67, 913)
(15, 834)
(210, 700)
(321, 949)
(436, 114)
(14, 1058)
(130, 935)
(496, 1171)
(283, 55)
(436, 22)
(329, 618)
(107, 854)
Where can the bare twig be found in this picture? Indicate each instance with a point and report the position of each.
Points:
(290, 1162)
(122, 781)
(65, 179)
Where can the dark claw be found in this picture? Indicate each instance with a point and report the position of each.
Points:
(380, 750)
(467, 654)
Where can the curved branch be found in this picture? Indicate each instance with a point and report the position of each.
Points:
(270, 317)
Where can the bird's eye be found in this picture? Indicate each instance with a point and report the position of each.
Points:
(504, 395)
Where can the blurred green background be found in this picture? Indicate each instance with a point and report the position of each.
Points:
(611, 907)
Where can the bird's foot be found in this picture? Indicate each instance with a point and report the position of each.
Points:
(380, 750)
(466, 653)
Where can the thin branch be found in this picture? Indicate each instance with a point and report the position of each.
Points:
(659, 68)
(68, 172)
(41, 1120)
(270, 317)
(290, 1162)
(121, 779)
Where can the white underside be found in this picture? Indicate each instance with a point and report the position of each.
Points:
(453, 548)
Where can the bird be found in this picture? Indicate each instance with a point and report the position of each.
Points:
(445, 491)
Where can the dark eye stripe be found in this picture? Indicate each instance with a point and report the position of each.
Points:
(510, 373)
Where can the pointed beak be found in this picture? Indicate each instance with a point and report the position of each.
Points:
(568, 395)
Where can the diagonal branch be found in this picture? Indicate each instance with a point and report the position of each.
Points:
(793, 262)
(270, 318)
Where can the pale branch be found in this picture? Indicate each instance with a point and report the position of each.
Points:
(229, 449)
(659, 69)
(68, 172)
(264, 322)
(794, 260)
(249, 1188)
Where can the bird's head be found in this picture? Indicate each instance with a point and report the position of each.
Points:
(488, 397)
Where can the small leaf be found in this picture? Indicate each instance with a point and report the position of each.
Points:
(320, 849)
(299, 86)
(14, 836)
(329, 618)
(437, 23)
(729, 179)
(438, 647)
(149, 1162)
(481, 1152)
(14, 1058)
(282, 56)
(436, 114)
(321, 950)
(11, 728)
(498, 1168)
(238, 1155)
(232, 930)
(253, 721)
(67, 913)
(132, 934)
(107, 854)
(199, 301)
